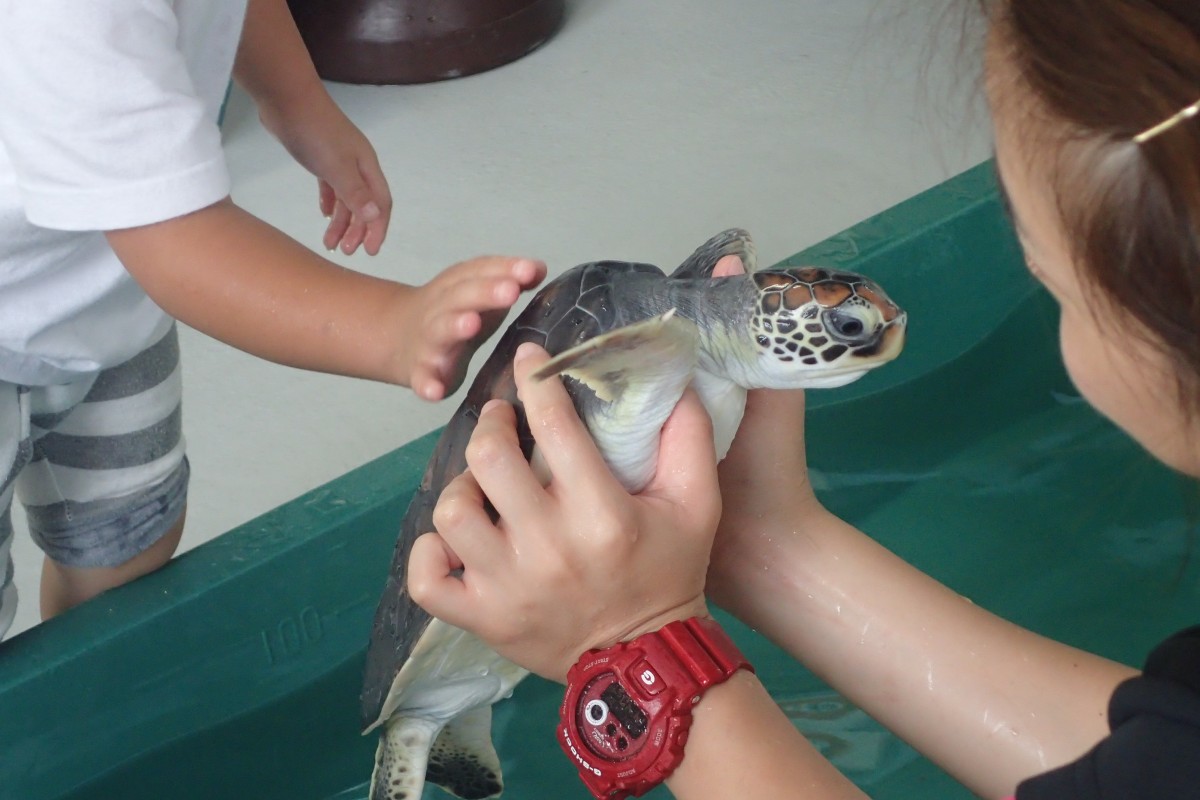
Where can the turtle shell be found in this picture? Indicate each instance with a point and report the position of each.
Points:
(576, 306)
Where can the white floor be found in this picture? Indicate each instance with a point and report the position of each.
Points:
(642, 128)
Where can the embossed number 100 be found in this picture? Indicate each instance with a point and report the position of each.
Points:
(289, 638)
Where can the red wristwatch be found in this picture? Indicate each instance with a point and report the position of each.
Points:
(627, 711)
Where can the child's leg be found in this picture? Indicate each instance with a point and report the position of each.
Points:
(106, 489)
(66, 587)
(14, 453)
(8, 590)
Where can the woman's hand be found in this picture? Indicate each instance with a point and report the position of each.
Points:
(578, 563)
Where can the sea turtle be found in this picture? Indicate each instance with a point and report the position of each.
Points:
(630, 339)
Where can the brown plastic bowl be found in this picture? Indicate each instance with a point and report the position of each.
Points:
(418, 41)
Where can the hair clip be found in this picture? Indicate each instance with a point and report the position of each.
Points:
(1168, 123)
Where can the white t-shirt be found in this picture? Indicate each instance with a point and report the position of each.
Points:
(108, 120)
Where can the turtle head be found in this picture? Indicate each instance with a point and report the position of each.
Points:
(818, 328)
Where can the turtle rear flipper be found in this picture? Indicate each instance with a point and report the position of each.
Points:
(401, 759)
(464, 760)
(636, 375)
(437, 718)
(459, 757)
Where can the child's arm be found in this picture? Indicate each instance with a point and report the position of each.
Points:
(232, 276)
(274, 67)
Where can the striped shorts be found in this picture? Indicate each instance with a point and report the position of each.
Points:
(98, 464)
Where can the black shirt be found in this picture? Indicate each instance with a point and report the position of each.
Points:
(1153, 752)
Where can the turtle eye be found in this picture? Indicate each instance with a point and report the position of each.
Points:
(852, 325)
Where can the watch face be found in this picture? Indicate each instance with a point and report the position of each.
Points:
(610, 722)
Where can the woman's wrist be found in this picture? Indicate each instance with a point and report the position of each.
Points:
(752, 553)
(627, 714)
(655, 622)
(634, 629)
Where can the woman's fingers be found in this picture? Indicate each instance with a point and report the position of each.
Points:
(687, 462)
(501, 470)
(561, 436)
(432, 583)
(461, 519)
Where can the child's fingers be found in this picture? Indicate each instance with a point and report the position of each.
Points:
(356, 231)
(446, 330)
(326, 198)
(463, 326)
(354, 192)
(376, 232)
(366, 201)
(338, 222)
(529, 272)
(426, 385)
(372, 207)
(480, 293)
(377, 184)
(372, 177)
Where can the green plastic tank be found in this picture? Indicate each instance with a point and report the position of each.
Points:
(234, 671)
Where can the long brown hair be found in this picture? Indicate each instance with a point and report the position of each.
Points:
(1102, 71)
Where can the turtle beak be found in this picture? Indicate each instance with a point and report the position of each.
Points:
(888, 344)
(893, 337)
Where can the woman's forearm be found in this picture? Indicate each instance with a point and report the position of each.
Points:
(990, 702)
(742, 745)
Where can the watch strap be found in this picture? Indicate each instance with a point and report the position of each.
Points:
(678, 661)
(704, 649)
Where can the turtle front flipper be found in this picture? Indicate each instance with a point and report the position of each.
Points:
(636, 375)
(731, 242)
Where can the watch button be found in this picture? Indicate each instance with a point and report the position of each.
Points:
(643, 676)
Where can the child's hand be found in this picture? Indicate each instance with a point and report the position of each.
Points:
(454, 313)
(353, 192)
(577, 564)
(354, 196)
